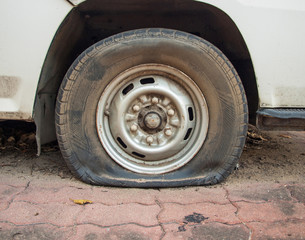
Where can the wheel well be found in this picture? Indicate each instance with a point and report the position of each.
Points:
(94, 20)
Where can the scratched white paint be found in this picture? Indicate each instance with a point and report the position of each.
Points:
(26, 31)
(274, 31)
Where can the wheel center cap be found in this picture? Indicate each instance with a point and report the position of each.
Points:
(152, 120)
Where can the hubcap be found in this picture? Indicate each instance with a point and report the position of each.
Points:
(152, 119)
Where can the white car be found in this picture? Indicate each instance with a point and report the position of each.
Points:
(145, 93)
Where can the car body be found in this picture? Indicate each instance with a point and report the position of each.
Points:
(262, 39)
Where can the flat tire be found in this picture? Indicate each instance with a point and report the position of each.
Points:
(151, 108)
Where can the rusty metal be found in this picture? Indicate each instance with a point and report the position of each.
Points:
(281, 119)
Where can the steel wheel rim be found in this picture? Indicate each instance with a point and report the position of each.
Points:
(152, 119)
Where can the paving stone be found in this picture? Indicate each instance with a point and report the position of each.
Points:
(193, 195)
(115, 196)
(297, 192)
(258, 193)
(194, 213)
(103, 215)
(127, 232)
(34, 232)
(13, 181)
(108, 196)
(7, 193)
(53, 181)
(62, 194)
(270, 212)
(44, 195)
(291, 229)
(48, 181)
(20, 213)
(206, 231)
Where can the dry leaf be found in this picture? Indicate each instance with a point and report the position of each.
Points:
(81, 201)
(285, 136)
(256, 136)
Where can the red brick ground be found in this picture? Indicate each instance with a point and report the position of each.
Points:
(41, 209)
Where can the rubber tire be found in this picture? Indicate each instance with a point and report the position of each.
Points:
(90, 73)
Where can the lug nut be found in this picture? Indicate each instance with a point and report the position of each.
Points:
(136, 108)
(134, 128)
(107, 113)
(171, 112)
(149, 140)
(168, 132)
(155, 100)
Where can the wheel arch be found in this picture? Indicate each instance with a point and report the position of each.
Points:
(94, 20)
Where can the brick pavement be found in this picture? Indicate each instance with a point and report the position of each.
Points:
(32, 208)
